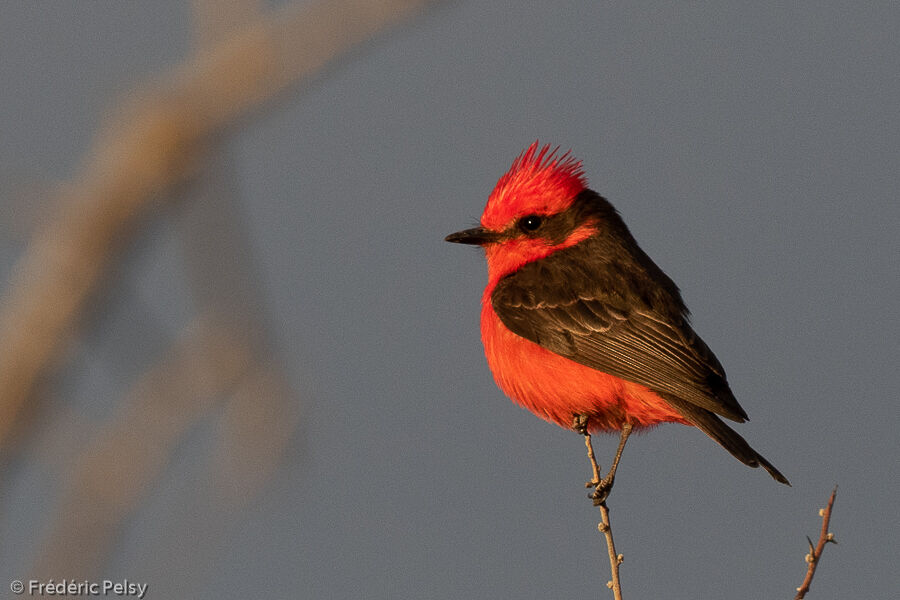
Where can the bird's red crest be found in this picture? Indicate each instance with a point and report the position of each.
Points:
(539, 182)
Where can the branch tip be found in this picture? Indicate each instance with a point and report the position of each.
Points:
(815, 553)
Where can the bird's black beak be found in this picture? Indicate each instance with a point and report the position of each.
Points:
(477, 236)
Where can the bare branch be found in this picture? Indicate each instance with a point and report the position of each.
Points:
(614, 559)
(604, 527)
(815, 554)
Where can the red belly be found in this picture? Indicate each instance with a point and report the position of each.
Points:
(556, 388)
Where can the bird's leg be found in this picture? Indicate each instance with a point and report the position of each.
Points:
(604, 486)
(579, 424)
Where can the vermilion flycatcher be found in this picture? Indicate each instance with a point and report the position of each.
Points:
(580, 326)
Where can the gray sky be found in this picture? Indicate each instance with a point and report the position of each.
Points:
(751, 148)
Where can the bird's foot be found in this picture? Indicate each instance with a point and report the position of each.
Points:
(579, 424)
(601, 491)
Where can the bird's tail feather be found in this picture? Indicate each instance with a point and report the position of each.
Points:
(729, 439)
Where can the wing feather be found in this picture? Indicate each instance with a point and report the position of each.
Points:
(616, 319)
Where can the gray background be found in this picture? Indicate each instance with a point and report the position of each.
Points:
(752, 149)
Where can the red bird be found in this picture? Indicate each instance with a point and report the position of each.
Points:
(580, 326)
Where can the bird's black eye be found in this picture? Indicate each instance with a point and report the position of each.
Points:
(530, 223)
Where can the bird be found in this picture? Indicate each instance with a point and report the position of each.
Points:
(581, 327)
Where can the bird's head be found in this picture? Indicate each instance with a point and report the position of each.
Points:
(532, 212)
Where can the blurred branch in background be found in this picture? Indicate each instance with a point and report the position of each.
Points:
(153, 142)
(123, 460)
(161, 136)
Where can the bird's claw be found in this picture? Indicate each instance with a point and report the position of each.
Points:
(580, 423)
(601, 491)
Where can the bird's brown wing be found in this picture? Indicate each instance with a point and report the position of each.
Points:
(618, 319)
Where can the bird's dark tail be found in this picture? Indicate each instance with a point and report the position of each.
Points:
(729, 439)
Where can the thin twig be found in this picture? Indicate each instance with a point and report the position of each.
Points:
(604, 527)
(815, 554)
(614, 559)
